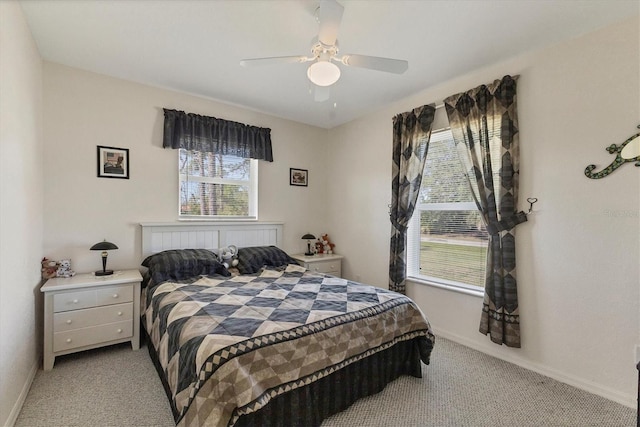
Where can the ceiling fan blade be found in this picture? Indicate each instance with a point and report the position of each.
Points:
(330, 16)
(396, 66)
(275, 60)
(320, 93)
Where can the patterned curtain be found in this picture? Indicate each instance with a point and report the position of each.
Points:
(211, 135)
(484, 124)
(411, 133)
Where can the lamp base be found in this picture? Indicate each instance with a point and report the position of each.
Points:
(103, 272)
(309, 254)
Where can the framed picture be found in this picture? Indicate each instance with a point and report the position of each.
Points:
(298, 177)
(113, 162)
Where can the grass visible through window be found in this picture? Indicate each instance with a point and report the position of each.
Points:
(457, 260)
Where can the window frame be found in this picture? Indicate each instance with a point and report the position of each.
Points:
(414, 245)
(252, 183)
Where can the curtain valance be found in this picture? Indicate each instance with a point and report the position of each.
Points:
(209, 134)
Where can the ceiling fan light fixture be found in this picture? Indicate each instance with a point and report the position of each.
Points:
(323, 73)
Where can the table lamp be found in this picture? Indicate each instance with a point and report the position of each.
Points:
(308, 237)
(104, 247)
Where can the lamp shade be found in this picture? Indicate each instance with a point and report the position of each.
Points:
(323, 73)
(103, 246)
(308, 237)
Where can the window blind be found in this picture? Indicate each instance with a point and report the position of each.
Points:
(447, 240)
(217, 185)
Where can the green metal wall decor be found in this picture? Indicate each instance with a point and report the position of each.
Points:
(628, 151)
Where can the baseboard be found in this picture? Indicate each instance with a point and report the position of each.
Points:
(607, 393)
(13, 416)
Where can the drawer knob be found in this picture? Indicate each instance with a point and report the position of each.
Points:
(68, 340)
(69, 322)
(75, 301)
(119, 313)
(115, 295)
(119, 331)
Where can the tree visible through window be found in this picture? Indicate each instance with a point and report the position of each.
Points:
(447, 240)
(216, 185)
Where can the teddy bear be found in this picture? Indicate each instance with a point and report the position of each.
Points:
(324, 245)
(49, 268)
(64, 269)
(228, 256)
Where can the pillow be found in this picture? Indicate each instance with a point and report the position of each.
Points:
(251, 260)
(180, 264)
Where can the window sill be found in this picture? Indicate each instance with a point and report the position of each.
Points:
(467, 291)
(217, 220)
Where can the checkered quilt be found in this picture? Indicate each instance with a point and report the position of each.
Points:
(227, 346)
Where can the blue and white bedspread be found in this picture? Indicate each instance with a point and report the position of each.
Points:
(227, 346)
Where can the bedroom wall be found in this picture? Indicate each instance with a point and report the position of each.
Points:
(579, 254)
(83, 110)
(21, 191)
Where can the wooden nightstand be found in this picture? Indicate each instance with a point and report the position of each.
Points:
(87, 311)
(322, 263)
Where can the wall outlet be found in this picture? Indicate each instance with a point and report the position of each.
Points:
(637, 354)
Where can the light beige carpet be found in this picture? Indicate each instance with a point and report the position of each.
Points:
(116, 386)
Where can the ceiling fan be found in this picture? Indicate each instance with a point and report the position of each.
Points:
(323, 72)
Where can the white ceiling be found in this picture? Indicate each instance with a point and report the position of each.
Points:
(196, 46)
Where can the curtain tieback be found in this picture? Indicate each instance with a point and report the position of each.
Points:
(507, 223)
(400, 227)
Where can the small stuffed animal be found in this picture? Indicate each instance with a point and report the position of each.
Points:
(228, 256)
(49, 268)
(324, 245)
(64, 269)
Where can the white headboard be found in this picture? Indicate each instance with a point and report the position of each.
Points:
(157, 237)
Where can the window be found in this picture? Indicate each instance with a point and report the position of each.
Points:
(217, 186)
(447, 240)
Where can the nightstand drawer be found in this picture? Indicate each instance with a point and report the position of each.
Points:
(92, 298)
(114, 295)
(77, 319)
(93, 335)
(73, 300)
(329, 267)
(321, 263)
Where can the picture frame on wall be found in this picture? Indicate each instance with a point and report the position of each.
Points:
(113, 162)
(299, 177)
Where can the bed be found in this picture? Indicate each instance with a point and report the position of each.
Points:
(274, 345)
